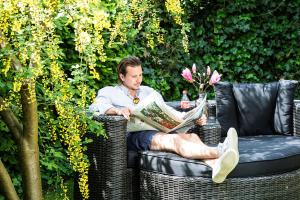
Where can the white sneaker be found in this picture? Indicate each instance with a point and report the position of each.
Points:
(229, 157)
(231, 141)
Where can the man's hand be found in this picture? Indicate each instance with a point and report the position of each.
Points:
(202, 120)
(123, 111)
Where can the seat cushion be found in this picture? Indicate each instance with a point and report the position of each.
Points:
(267, 155)
(259, 155)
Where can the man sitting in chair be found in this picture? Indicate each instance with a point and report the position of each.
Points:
(121, 99)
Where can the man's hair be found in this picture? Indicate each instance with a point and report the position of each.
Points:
(125, 62)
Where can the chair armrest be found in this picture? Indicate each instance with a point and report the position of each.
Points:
(296, 117)
(112, 147)
(108, 159)
(209, 134)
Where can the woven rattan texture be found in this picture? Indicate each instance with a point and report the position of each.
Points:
(278, 187)
(209, 133)
(108, 161)
(132, 184)
(110, 179)
(297, 118)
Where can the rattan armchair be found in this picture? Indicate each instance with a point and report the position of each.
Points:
(111, 175)
(114, 172)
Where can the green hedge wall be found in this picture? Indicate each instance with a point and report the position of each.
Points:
(246, 41)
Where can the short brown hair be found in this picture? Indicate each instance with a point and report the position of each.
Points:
(132, 61)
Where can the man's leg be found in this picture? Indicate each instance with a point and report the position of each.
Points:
(186, 145)
(222, 159)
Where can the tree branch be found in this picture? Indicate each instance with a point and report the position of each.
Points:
(11, 121)
(6, 186)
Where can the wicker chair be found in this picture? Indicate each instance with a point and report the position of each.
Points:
(114, 172)
(269, 166)
(285, 185)
(112, 177)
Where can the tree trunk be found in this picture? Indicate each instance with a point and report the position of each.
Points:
(29, 149)
(26, 136)
(6, 186)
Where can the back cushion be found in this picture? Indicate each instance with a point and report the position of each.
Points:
(283, 118)
(226, 107)
(256, 104)
(256, 108)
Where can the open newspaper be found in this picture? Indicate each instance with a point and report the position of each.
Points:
(157, 114)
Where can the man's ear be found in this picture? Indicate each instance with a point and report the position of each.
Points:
(122, 77)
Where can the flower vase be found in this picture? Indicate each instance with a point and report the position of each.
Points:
(200, 98)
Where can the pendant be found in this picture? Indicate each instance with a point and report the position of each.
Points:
(136, 100)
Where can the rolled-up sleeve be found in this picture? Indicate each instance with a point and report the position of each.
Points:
(102, 102)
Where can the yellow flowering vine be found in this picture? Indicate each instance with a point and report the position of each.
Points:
(31, 53)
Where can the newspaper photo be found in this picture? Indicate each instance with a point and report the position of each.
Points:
(156, 113)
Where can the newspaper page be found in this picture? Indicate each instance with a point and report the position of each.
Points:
(155, 112)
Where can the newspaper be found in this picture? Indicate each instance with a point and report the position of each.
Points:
(154, 112)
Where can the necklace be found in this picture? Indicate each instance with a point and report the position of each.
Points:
(136, 100)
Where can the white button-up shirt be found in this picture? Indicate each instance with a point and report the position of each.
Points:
(118, 97)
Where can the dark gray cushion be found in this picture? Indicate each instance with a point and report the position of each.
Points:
(255, 104)
(259, 155)
(226, 107)
(283, 118)
(267, 155)
(132, 159)
(256, 108)
(172, 164)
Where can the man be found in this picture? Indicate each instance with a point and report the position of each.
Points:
(121, 99)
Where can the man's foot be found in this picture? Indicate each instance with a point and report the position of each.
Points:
(231, 141)
(228, 159)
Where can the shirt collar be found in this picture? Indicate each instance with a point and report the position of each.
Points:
(126, 90)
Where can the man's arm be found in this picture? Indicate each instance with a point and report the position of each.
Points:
(104, 105)
(119, 111)
(102, 102)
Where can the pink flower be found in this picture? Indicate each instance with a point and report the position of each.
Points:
(215, 77)
(187, 75)
(201, 79)
(208, 71)
(194, 68)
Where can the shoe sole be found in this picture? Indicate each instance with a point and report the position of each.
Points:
(228, 161)
(233, 139)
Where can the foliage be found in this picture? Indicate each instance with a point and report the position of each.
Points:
(71, 49)
(245, 41)
(68, 49)
(248, 41)
(54, 193)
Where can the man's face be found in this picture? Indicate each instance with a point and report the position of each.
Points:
(133, 78)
